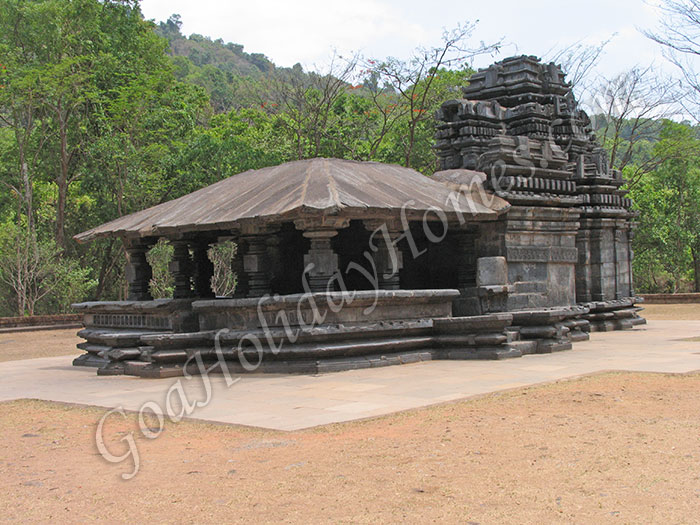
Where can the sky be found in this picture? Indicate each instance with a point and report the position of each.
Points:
(308, 31)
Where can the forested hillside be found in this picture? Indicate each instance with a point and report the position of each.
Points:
(103, 113)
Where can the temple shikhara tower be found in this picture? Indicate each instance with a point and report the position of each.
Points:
(521, 244)
(567, 236)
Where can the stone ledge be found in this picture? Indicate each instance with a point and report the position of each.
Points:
(671, 298)
(358, 298)
(155, 306)
(39, 321)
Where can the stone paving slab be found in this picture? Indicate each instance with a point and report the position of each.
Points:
(292, 402)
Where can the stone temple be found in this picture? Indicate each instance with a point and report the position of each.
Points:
(521, 244)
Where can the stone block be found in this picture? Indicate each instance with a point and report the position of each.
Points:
(491, 271)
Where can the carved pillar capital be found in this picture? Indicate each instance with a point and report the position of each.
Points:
(321, 261)
(326, 222)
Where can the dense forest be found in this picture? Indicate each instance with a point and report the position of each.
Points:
(103, 113)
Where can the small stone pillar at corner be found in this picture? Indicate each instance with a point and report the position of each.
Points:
(138, 271)
(203, 268)
(388, 258)
(466, 259)
(492, 283)
(491, 271)
(321, 260)
(181, 269)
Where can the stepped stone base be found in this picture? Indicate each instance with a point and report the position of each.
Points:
(320, 349)
(231, 335)
(90, 360)
(620, 314)
(547, 330)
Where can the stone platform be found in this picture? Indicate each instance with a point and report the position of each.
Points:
(313, 333)
(292, 402)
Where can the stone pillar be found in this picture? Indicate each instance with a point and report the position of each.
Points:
(584, 278)
(466, 263)
(138, 271)
(321, 260)
(256, 261)
(622, 251)
(255, 266)
(597, 236)
(630, 257)
(181, 268)
(388, 258)
(237, 266)
(275, 261)
(203, 269)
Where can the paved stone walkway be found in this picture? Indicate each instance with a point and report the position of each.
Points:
(295, 402)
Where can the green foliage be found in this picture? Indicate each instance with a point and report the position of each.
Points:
(36, 278)
(159, 257)
(103, 114)
(667, 242)
(94, 122)
(216, 67)
(232, 143)
(202, 51)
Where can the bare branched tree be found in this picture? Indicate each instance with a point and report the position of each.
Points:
(413, 80)
(224, 280)
(578, 62)
(679, 35)
(33, 273)
(307, 100)
(628, 109)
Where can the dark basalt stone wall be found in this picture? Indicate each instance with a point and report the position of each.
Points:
(567, 237)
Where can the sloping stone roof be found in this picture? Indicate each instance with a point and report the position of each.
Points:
(302, 189)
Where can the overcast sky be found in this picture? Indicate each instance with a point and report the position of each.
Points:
(306, 31)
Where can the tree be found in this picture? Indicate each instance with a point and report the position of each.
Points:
(92, 124)
(668, 237)
(410, 135)
(679, 35)
(37, 274)
(628, 111)
(578, 61)
(305, 103)
(414, 81)
(22, 137)
(133, 160)
(74, 55)
(234, 142)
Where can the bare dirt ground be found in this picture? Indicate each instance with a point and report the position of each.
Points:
(671, 312)
(45, 343)
(612, 448)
